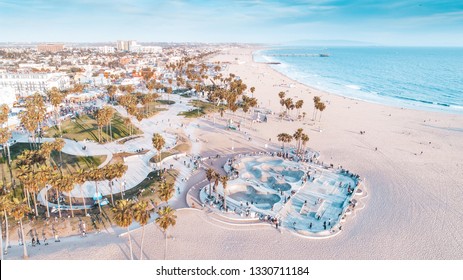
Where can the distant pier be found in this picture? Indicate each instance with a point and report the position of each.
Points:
(303, 54)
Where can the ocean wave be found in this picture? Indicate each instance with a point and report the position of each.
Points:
(381, 77)
(356, 87)
(412, 99)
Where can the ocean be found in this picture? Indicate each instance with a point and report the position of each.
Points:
(420, 78)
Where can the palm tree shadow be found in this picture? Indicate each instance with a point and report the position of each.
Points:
(124, 250)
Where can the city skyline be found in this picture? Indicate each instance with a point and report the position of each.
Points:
(409, 23)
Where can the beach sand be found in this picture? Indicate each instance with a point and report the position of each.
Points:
(413, 211)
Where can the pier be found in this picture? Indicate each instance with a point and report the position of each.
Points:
(302, 55)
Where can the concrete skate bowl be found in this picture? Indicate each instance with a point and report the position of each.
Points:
(247, 194)
(292, 176)
(274, 185)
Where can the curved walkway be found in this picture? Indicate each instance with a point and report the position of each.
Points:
(138, 165)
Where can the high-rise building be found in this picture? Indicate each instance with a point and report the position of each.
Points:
(50, 47)
(124, 45)
(133, 46)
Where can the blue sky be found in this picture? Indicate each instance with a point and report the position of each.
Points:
(393, 22)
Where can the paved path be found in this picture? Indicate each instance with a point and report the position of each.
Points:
(169, 124)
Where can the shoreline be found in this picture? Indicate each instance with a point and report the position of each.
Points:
(413, 164)
(396, 102)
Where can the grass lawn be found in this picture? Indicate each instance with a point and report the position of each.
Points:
(152, 108)
(163, 156)
(146, 188)
(165, 102)
(152, 111)
(72, 163)
(202, 108)
(122, 141)
(182, 147)
(119, 157)
(85, 127)
(185, 95)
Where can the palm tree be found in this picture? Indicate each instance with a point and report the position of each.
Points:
(109, 116)
(119, 171)
(158, 143)
(34, 114)
(298, 136)
(169, 89)
(68, 186)
(221, 111)
(18, 211)
(169, 92)
(224, 180)
(56, 98)
(165, 191)
(96, 175)
(123, 216)
(28, 179)
(1, 242)
(321, 108)
(166, 219)
(54, 182)
(248, 102)
(298, 105)
(58, 145)
(141, 216)
(282, 96)
(316, 100)
(43, 175)
(284, 138)
(252, 89)
(21, 174)
(62, 183)
(80, 178)
(288, 102)
(5, 207)
(5, 133)
(305, 140)
(112, 89)
(101, 121)
(210, 173)
(109, 174)
(216, 179)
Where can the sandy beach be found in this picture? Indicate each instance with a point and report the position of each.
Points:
(411, 161)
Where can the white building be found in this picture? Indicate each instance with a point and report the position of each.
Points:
(125, 45)
(133, 46)
(145, 49)
(32, 65)
(106, 49)
(131, 81)
(27, 83)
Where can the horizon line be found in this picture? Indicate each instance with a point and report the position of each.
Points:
(315, 43)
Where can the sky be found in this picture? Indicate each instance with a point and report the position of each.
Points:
(392, 22)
